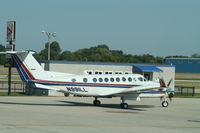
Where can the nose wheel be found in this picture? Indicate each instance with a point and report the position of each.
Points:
(165, 103)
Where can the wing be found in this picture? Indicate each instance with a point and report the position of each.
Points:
(46, 87)
(132, 90)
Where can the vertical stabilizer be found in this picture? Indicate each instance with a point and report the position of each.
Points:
(27, 66)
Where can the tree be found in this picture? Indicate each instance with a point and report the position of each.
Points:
(55, 51)
(196, 55)
(66, 55)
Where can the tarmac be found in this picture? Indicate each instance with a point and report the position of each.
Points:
(78, 115)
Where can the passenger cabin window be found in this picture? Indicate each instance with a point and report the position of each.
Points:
(106, 79)
(130, 79)
(85, 80)
(94, 79)
(118, 79)
(73, 80)
(100, 80)
(112, 79)
(123, 79)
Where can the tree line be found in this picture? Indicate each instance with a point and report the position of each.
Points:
(99, 53)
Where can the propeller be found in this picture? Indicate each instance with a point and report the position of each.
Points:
(167, 89)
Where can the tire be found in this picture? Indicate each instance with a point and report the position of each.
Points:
(124, 105)
(96, 102)
(165, 103)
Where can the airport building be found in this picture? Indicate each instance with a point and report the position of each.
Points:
(184, 65)
(150, 72)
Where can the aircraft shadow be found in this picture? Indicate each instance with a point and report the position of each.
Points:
(71, 103)
(114, 106)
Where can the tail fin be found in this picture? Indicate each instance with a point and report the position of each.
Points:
(28, 67)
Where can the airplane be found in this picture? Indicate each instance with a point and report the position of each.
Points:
(126, 86)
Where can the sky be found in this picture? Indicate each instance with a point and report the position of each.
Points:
(156, 27)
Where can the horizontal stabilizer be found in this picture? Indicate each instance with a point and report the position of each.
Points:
(46, 87)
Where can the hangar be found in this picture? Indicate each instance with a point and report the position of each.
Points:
(151, 72)
(184, 65)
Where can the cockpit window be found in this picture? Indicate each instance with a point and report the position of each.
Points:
(140, 79)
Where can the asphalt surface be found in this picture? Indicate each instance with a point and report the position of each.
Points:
(78, 115)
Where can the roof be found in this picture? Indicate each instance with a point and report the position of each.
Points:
(146, 68)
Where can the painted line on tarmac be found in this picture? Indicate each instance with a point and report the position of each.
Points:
(91, 125)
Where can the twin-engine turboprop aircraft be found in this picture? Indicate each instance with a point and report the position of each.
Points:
(126, 86)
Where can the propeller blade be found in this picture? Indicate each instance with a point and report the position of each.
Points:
(169, 82)
(162, 83)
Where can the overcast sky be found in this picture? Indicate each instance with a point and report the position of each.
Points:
(157, 27)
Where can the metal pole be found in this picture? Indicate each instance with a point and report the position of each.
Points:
(9, 71)
(49, 48)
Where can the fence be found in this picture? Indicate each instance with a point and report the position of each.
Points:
(15, 86)
(185, 90)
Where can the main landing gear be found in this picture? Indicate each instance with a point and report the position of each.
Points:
(123, 104)
(96, 102)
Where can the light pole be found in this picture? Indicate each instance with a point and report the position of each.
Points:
(49, 35)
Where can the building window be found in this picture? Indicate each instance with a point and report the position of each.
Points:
(118, 72)
(108, 72)
(85, 80)
(90, 73)
(98, 72)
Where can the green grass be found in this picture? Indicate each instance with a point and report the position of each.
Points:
(12, 94)
(185, 83)
(178, 95)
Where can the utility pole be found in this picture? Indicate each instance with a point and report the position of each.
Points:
(49, 35)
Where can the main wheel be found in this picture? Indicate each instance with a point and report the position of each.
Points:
(165, 103)
(124, 105)
(96, 102)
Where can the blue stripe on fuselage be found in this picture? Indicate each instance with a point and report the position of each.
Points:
(20, 69)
